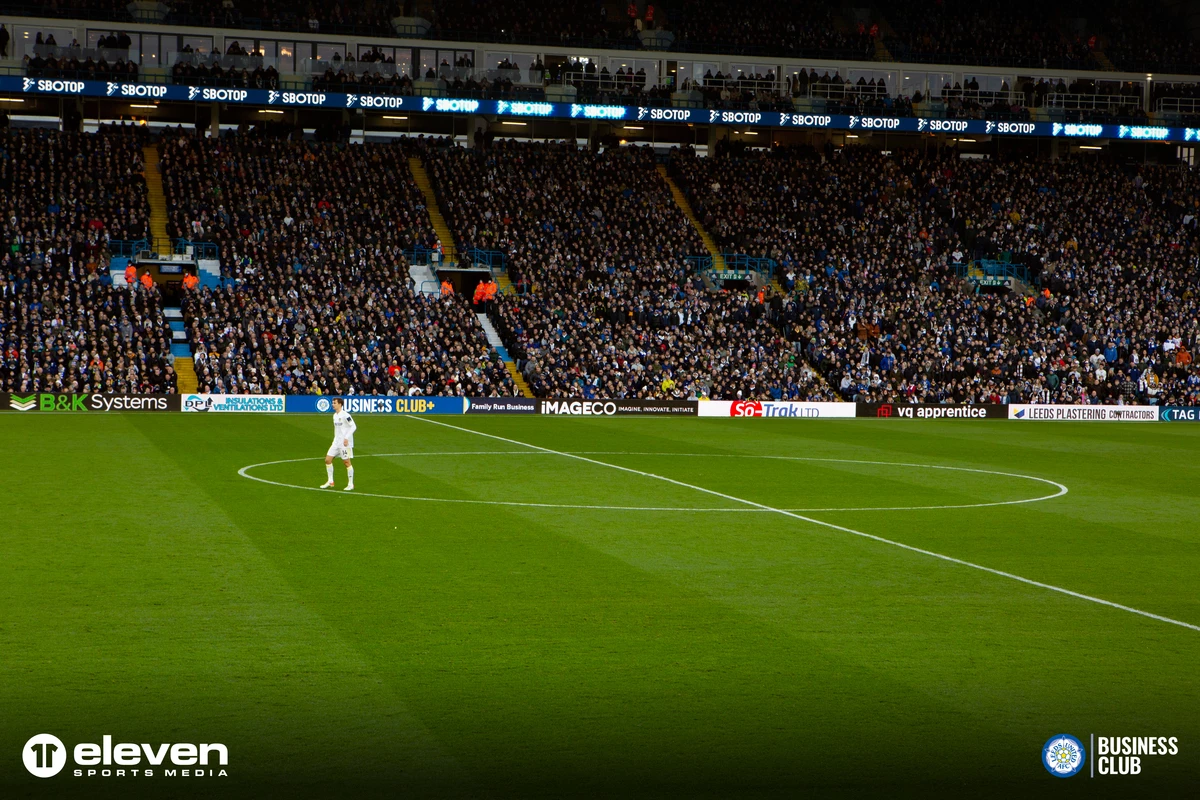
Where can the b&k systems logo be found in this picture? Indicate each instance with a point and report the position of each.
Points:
(1063, 755)
(44, 755)
(23, 403)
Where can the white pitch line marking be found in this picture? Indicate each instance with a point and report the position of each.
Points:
(830, 525)
(245, 473)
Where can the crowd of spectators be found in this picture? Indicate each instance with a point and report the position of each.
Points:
(1022, 34)
(63, 325)
(767, 28)
(606, 302)
(553, 22)
(367, 17)
(1014, 35)
(108, 60)
(871, 251)
(1144, 38)
(314, 243)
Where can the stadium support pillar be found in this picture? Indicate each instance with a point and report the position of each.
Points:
(214, 120)
(478, 123)
(713, 134)
(1054, 154)
(71, 114)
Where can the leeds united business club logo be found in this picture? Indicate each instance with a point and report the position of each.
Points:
(1063, 755)
(323, 405)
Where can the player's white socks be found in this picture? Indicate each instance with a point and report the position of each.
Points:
(350, 475)
(329, 472)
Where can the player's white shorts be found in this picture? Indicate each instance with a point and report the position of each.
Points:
(337, 451)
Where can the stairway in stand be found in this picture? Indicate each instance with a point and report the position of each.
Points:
(449, 251)
(681, 200)
(498, 345)
(181, 352)
(159, 240)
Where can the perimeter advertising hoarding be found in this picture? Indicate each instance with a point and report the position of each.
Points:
(1082, 413)
(609, 408)
(59, 402)
(774, 408)
(375, 404)
(932, 411)
(501, 405)
(234, 403)
(1179, 414)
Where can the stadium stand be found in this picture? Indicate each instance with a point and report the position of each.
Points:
(875, 253)
(1074, 35)
(606, 304)
(63, 325)
(763, 28)
(315, 245)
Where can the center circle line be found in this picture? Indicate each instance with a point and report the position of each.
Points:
(1062, 490)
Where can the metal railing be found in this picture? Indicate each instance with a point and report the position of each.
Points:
(492, 259)
(1102, 102)
(1178, 105)
(205, 250)
(109, 54)
(742, 261)
(988, 268)
(225, 61)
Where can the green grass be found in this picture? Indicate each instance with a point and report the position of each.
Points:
(366, 646)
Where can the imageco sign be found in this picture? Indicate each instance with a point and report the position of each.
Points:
(608, 408)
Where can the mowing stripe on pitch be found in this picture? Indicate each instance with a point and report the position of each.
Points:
(823, 524)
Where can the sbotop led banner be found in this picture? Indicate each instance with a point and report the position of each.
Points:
(585, 111)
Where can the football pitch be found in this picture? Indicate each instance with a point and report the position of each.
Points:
(625, 607)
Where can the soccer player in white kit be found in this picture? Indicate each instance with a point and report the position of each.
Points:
(343, 445)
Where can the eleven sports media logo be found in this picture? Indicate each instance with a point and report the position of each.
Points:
(45, 756)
